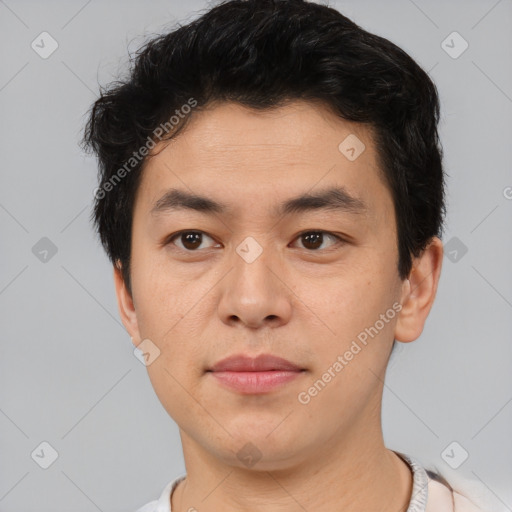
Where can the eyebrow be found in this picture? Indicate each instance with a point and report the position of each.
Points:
(330, 199)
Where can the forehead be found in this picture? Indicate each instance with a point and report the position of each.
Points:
(230, 151)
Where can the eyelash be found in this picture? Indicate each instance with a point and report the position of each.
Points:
(340, 241)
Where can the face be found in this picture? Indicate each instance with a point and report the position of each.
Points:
(255, 270)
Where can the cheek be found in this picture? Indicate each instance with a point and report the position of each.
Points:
(154, 295)
(359, 285)
(349, 306)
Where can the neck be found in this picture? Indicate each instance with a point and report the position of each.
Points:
(357, 473)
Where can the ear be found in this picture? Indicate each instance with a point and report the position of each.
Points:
(419, 291)
(126, 306)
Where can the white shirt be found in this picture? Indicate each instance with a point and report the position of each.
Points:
(429, 494)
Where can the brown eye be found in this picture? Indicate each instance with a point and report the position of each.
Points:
(190, 240)
(313, 240)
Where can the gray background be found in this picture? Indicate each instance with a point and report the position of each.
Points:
(68, 373)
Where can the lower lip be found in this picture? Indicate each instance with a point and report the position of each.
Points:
(255, 382)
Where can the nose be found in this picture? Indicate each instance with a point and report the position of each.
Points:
(255, 294)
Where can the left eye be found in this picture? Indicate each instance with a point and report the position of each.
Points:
(314, 239)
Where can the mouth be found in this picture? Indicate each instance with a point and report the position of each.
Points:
(248, 375)
(261, 363)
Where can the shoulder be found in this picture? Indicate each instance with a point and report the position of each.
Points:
(148, 507)
(443, 498)
(465, 495)
(163, 503)
(432, 492)
(462, 504)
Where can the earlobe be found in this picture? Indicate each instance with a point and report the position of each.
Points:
(419, 291)
(126, 306)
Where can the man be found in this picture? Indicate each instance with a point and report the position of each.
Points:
(271, 197)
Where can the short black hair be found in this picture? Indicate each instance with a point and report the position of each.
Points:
(262, 54)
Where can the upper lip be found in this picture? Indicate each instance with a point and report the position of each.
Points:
(260, 363)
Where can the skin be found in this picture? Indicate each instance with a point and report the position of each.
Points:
(296, 301)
